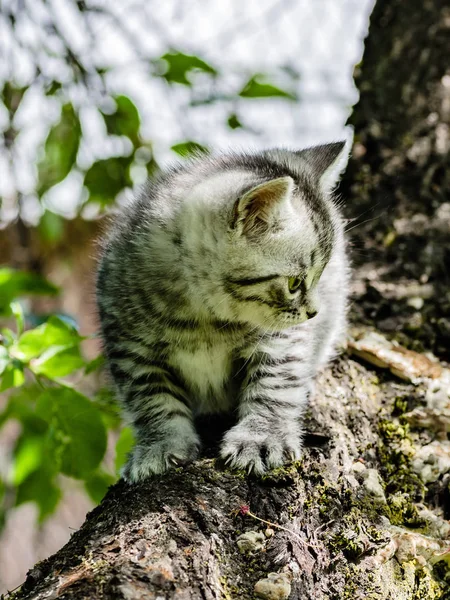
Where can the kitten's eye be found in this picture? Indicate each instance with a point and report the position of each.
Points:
(294, 284)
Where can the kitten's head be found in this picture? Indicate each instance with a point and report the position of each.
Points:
(280, 229)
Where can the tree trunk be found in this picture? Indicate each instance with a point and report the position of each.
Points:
(362, 515)
(399, 180)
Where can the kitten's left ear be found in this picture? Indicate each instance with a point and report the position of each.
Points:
(327, 162)
(259, 208)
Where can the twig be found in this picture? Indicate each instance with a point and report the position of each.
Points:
(245, 510)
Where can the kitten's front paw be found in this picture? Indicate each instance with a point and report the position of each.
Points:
(255, 449)
(168, 452)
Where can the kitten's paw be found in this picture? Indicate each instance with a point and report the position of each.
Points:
(244, 447)
(174, 449)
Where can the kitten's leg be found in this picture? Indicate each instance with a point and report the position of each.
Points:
(269, 431)
(159, 411)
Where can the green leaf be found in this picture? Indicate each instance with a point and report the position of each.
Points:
(36, 320)
(28, 456)
(77, 433)
(17, 312)
(58, 364)
(256, 87)
(177, 66)
(61, 148)
(21, 406)
(52, 88)
(40, 487)
(106, 178)
(51, 227)
(188, 148)
(7, 337)
(234, 122)
(12, 96)
(12, 376)
(123, 447)
(14, 284)
(55, 333)
(97, 485)
(4, 359)
(124, 120)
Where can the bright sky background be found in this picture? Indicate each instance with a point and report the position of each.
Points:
(320, 39)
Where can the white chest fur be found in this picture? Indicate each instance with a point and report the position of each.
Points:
(207, 372)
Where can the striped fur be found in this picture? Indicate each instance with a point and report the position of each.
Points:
(195, 309)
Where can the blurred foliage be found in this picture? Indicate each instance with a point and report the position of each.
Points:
(176, 67)
(188, 148)
(106, 178)
(124, 120)
(13, 284)
(258, 87)
(61, 148)
(75, 79)
(61, 430)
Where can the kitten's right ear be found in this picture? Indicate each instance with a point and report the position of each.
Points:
(327, 162)
(258, 208)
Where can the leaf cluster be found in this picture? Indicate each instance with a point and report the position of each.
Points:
(61, 430)
(82, 88)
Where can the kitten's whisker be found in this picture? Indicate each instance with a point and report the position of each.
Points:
(368, 210)
(362, 223)
(352, 220)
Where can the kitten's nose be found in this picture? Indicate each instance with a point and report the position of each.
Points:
(311, 313)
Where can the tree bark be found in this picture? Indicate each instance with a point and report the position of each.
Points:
(399, 179)
(176, 536)
(359, 516)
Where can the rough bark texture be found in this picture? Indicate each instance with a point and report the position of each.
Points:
(399, 178)
(176, 537)
(361, 515)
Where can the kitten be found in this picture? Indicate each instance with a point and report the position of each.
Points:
(223, 287)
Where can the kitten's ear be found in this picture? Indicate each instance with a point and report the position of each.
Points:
(257, 209)
(327, 162)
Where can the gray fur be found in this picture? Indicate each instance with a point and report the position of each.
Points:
(196, 314)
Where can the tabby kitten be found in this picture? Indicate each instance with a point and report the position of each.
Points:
(222, 288)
